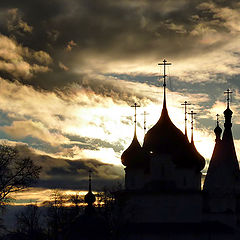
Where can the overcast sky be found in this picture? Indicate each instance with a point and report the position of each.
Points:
(71, 69)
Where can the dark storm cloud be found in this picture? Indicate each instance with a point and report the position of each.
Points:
(75, 31)
(72, 174)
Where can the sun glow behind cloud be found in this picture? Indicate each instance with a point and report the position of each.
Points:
(70, 99)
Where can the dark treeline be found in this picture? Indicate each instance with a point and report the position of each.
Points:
(64, 217)
(61, 218)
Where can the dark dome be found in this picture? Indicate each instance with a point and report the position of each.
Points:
(228, 111)
(133, 156)
(165, 138)
(218, 130)
(90, 198)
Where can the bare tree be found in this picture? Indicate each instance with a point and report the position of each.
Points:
(29, 222)
(76, 200)
(16, 173)
(57, 214)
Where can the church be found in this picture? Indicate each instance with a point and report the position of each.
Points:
(163, 197)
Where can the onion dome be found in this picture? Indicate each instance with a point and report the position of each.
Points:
(228, 115)
(89, 198)
(133, 156)
(165, 138)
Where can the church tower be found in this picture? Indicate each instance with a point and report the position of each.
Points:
(223, 172)
(222, 179)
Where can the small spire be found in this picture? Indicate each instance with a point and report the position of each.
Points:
(192, 119)
(185, 104)
(135, 118)
(228, 92)
(218, 130)
(90, 180)
(217, 119)
(228, 113)
(164, 64)
(90, 197)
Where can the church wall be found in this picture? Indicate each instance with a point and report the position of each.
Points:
(163, 207)
(163, 169)
(134, 179)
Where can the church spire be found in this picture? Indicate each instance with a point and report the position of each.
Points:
(90, 197)
(89, 181)
(228, 113)
(223, 171)
(218, 130)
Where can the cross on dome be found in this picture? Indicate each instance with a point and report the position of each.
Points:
(192, 119)
(185, 104)
(228, 92)
(164, 64)
(135, 117)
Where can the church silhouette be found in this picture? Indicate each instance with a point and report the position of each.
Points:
(163, 196)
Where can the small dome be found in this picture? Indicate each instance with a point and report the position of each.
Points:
(228, 112)
(90, 198)
(218, 131)
(165, 138)
(133, 156)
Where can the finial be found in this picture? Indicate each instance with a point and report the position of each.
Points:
(218, 130)
(90, 180)
(135, 118)
(192, 118)
(228, 92)
(217, 119)
(164, 79)
(185, 109)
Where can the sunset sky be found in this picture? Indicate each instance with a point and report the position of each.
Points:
(71, 69)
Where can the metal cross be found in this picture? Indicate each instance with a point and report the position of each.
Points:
(228, 92)
(185, 104)
(144, 121)
(135, 116)
(192, 118)
(165, 63)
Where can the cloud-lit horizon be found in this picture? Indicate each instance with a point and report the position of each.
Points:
(70, 70)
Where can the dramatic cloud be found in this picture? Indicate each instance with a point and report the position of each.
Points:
(68, 77)
(16, 24)
(22, 129)
(15, 59)
(72, 174)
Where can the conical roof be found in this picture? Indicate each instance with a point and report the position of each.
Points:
(229, 153)
(165, 138)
